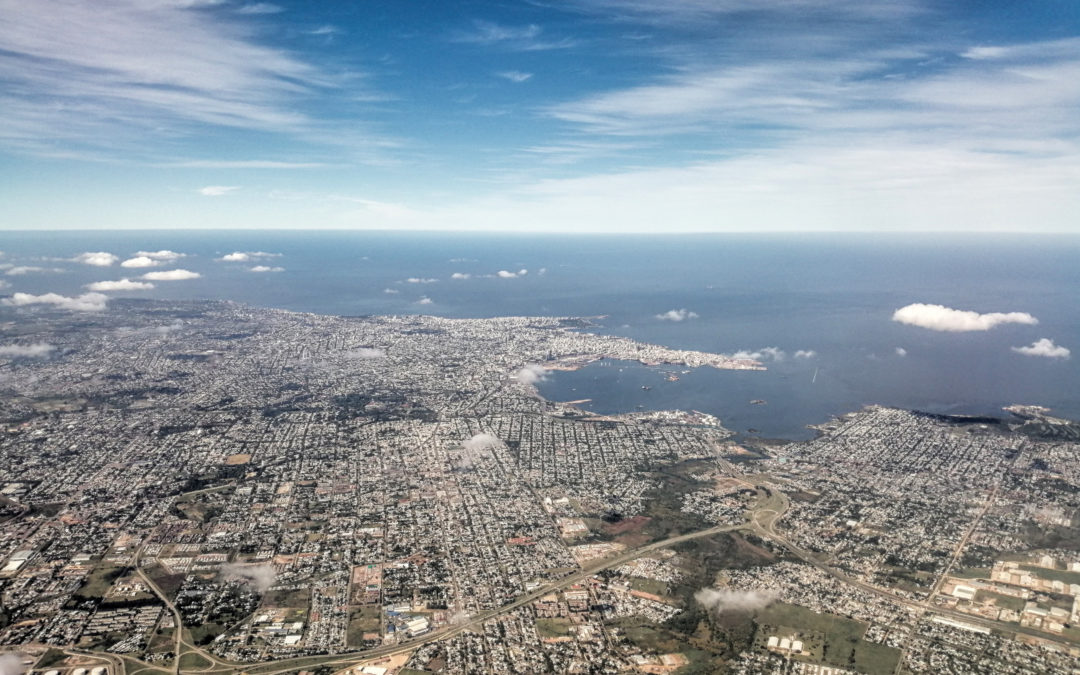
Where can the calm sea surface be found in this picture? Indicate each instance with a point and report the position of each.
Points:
(833, 295)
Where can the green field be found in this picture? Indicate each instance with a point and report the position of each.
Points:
(1053, 575)
(552, 628)
(652, 586)
(971, 573)
(99, 581)
(193, 661)
(1005, 601)
(829, 639)
(363, 620)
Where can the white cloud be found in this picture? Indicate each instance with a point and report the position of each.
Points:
(259, 577)
(19, 270)
(97, 258)
(171, 275)
(979, 53)
(259, 8)
(504, 274)
(12, 664)
(391, 291)
(163, 254)
(168, 328)
(515, 76)
(460, 275)
(124, 284)
(419, 280)
(87, 302)
(245, 256)
(696, 12)
(732, 600)
(677, 315)
(532, 373)
(365, 353)
(425, 301)
(805, 354)
(265, 268)
(123, 74)
(481, 442)
(773, 353)
(140, 261)
(242, 164)
(1044, 347)
(941, 318)
(217, 190)
(901, 352)
(518, 38)
(31, 351)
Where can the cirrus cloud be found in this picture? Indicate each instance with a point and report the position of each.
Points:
(1045, 348)
(947, 319)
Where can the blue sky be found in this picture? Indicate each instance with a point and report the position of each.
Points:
(573, 115)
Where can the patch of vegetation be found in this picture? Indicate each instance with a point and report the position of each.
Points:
(1063, 576)
(363, 620)
(999, 600)
(839, 639)
(290, 597)
(971, 572)
(194, 661)
(203, 634)
(51, 657)
(1051, 537)
(653, 586)
(169, 584)
(553, 628)
(97, 583)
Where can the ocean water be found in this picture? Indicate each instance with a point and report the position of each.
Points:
(833, 295)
